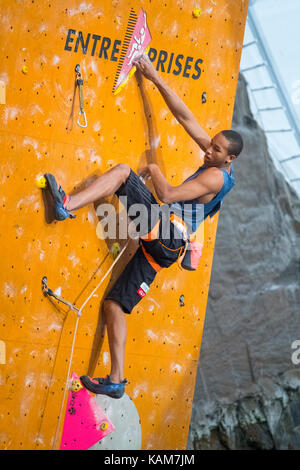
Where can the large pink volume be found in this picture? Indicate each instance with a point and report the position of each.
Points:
(85, 423)
(140, 39)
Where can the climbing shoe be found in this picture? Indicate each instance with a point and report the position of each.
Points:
(60, 198)
(104, 386)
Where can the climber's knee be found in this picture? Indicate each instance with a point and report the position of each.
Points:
(124, 171)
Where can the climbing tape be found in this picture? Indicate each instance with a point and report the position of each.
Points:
(79, 83)
(74, 337)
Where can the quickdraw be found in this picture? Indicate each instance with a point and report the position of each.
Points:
(79, 83)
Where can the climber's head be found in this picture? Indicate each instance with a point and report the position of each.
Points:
(224, 148)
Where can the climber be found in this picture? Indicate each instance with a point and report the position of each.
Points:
(203, 191)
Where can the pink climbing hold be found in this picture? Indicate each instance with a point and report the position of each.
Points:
(85, 422)
(139, 42)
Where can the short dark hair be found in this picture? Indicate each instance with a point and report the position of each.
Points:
(235, 142)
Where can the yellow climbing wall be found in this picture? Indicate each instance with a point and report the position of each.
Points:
(41, 42)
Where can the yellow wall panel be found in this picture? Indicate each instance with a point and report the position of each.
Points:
(39, 134)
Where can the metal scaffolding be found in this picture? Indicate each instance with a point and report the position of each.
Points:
(262, 76)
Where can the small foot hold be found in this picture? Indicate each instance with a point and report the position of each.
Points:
(115, 250)
(196, 12)
(104, 426)
(76, 385)
(41, 182)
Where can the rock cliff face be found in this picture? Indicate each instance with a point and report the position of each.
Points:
(248, 389)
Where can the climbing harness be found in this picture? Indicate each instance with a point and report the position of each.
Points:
(49, 292)
(189, 254)
(79, 83)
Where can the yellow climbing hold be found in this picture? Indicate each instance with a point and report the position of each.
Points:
(196, 12)
(130, 74)
(104, 426)
(115, 250)
(41, 182)
(25, 69)
(76, 385)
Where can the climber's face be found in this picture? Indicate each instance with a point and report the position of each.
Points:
(217, 153)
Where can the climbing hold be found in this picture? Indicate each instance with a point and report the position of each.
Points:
(204, 97)
(83, 420)
(196, 12)
(115, 250)
(25, 69)
(76, 385)
(104, 426)
(137, 40)
(41, 182)
(181, 300)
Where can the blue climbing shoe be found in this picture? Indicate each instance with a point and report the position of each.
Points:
(60, 198)
(104, 386)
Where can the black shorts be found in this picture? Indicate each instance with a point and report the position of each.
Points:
(134, 282)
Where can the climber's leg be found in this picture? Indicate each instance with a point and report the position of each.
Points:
(116, 332)
(104, 185)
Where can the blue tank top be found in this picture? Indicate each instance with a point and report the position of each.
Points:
(192, 211)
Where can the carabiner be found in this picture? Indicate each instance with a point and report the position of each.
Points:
(79, 82)
(85, 123)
